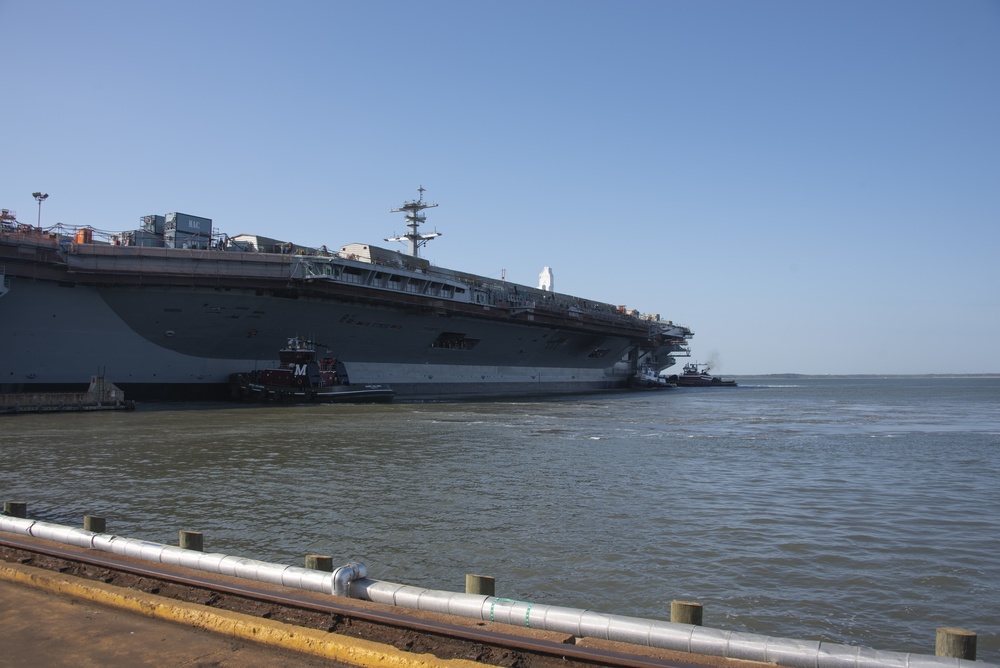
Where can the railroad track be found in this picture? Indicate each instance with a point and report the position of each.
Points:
(440, 635)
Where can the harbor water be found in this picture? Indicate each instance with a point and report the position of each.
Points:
(858, 511)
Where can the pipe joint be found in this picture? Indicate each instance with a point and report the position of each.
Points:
(345, 575)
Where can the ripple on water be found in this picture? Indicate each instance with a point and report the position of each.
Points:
(854, 513)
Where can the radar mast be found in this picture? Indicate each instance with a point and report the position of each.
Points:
(413, 221)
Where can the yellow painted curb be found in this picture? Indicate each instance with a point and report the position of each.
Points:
(354, 651)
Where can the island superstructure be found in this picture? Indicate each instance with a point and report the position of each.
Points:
(170, 310)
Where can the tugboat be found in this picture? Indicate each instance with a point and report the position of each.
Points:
(697, 375)
(301, 378)
(649, 378)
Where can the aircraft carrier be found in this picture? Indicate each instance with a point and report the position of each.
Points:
(172, 309)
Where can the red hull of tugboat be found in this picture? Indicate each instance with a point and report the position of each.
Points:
(338, 394)
(300, 378)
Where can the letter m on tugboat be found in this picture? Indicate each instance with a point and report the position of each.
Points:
(301, 378)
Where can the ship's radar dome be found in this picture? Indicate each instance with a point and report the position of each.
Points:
(545, 281)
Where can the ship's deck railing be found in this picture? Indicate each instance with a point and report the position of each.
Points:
(392, 277)
(516, 298)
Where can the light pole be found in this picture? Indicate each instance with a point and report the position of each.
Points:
(41, 198)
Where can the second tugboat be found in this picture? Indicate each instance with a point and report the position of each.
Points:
(696, 375)
(302, 378)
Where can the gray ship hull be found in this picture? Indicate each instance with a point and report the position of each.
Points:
(182, 342)
(171, 313)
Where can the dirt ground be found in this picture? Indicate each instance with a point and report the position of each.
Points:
(40, 628)
(82, 633)
(402, 639)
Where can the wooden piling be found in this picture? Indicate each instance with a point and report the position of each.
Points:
(955, 643)
(15, 509)
(94, 523)
(319, 562)
(685, 612)
(480, 584)
(192, 540)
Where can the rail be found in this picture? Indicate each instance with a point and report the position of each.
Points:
(793, 653)
(472, 634)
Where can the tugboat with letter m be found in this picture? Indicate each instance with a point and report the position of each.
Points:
(300, 377)
(696, 375)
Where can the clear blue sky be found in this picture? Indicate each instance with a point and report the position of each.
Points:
(813, 187)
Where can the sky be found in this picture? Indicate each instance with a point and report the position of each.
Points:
(812, 187)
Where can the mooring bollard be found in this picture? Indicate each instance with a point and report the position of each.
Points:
(480, 584)
(15, 509)
(319, 562)
(955, 643)
(94, 523)
(192, 540)
(685, 612)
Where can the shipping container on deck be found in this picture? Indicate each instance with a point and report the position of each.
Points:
(144, 238)
(175, 239)
(153, 224)
(183, 222)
